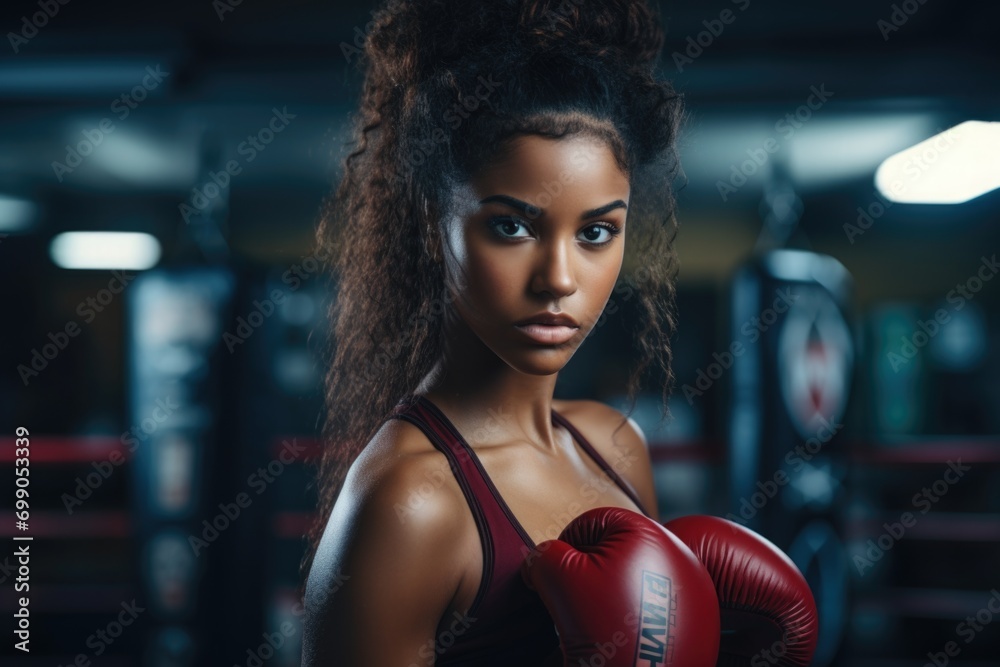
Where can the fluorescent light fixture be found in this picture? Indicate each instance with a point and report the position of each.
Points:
(57, 76)
(16, 215)
(951, 167)
(819, 152)
(105, 250)
(825, 151)
(141, 160)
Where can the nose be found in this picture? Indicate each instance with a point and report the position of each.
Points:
(555, 270)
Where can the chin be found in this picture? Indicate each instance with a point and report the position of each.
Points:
(539, 360)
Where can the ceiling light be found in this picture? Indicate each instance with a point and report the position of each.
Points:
(105, 250)
(951, 167)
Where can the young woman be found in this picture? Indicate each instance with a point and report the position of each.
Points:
(510, 190)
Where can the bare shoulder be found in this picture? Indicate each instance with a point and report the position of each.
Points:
(401, 469)
(623, 446)
(604, 422)
(385, 553)
(381, 511)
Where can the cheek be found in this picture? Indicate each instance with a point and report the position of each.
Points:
(599, 278)
(491, 277)
(494, 275)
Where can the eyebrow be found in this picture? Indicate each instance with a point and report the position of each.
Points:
(532, 211)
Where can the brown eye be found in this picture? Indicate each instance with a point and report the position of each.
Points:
(594, 233)
(506, 228)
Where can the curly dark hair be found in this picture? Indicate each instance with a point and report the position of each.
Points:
(552, 68)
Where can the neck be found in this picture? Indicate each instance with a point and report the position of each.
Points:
(488, 401)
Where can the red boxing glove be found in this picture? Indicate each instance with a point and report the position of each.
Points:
(768, 612)
(620, 586)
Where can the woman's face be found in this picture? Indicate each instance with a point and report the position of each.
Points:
(543, 229)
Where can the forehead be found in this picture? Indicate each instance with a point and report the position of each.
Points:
(530, 165)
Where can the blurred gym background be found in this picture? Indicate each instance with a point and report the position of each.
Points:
(837, 356)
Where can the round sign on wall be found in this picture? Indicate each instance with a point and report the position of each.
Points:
(815, 358)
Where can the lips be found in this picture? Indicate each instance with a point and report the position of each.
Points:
(550, 319)
(549, 328)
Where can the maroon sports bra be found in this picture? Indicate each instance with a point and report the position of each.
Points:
(507, 623)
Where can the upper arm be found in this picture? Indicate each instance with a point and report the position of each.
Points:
(627, 452)
(642, 480)
(383, 575)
